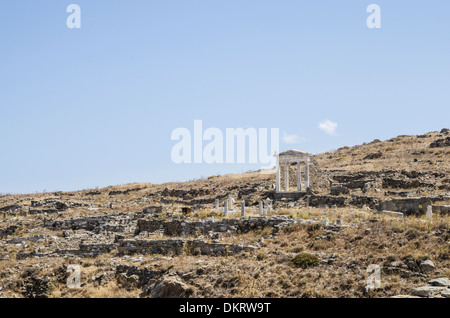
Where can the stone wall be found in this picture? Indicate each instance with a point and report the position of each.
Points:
(181, 228)
(443, 209)
(114, 223)
(327, 200)
(85, 250)
(361, 201)
(410, 205)
(132, 246)
(178, 246)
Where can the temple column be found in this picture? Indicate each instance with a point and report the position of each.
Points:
(286, 177)
(225, 208)
(277, 188)
(299, 176)
(307, 175)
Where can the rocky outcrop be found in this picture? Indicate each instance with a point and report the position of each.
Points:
(375, 155)
(431, 291)
(125, 191)
(36, 287)
(127, 275)
(440, 143)
(8, 231)
(436, 288)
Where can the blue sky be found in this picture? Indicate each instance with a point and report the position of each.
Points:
(96, 106)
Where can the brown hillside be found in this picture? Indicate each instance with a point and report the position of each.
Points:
(411, 153)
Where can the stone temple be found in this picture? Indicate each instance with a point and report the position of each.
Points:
(284, 160)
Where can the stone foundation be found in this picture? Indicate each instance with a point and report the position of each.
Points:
(183, 228)
(410, 206)
(178, 246)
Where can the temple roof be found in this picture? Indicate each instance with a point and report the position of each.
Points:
(294, 152)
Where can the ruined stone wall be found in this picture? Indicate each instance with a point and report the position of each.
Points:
(132, 246)
(411, 205)
(114, 223)
(178, 246)
(182, 228)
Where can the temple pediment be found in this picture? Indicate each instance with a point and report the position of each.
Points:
(294, 152)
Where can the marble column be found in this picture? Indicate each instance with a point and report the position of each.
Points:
(286, 177)
(307, 176)
(299, 176)
(277, 189)
(429, 213)
(225, 209)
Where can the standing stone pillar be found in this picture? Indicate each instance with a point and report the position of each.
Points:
(429, 212)
(277, 188)
(261, 212)
(286, 177)
(217, 204)
(307, 175)
(230, 200)
(299, 176)
(225, 209)
(243, 208)
(269, 206)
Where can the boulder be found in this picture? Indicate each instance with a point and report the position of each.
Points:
(429, 291)
(440, 282)
(36, 287)
(167, 287)
(128, 282)
(339, 189)
(427, 266)
(445, 293)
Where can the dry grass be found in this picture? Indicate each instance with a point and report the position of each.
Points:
(409, 153)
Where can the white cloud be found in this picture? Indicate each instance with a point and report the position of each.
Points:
(328, 127)
(291, 139)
